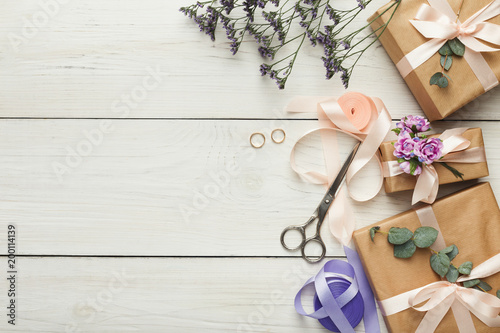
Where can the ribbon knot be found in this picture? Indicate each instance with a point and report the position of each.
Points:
(455, 150)
(439, 23)
(443, 295)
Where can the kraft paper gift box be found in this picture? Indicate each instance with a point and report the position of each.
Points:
(470, 219)
(470, 170)
(400, 38)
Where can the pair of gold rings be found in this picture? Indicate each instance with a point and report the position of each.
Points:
(273, 137)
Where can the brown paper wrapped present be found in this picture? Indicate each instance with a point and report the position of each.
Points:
(470, 219)
(400, 38)
(404, 182)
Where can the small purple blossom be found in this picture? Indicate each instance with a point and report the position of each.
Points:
(429, 150)
(406, 166)
(415, 124)
(405, 146)
(322, 25)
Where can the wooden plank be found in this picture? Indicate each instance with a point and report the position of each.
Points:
(159, 295)
(169, 188)
(86, 59)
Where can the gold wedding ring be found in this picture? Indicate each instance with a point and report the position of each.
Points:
(278, 130)
(263, 140)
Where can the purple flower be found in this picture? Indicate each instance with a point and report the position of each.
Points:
(429, 150)
(405, 146)
(406, 166)
(414, 123)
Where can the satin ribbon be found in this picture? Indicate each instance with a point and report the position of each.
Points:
(443, 295)
(455, 150)
(361, 117)
(439, 23)
(342, 296)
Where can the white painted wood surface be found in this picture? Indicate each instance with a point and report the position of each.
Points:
(193, 254)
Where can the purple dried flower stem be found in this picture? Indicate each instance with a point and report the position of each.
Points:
(348, 54)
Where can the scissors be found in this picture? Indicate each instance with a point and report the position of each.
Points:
(319, 215)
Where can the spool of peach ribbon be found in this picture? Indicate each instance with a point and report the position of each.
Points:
(455, 150)
(363, 118)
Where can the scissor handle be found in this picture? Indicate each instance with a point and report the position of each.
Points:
(299, 228)
(312, 259)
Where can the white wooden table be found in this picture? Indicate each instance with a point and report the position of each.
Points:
(116, 117)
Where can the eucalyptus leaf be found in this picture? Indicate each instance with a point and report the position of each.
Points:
(498, 293)
(398, 236)
(483, 286)
(446, 62)
(405, 250)
(425, 236)
(451, 251)
(445, 50)
(465, 268)
(457, 47)
(471, 283)
(443, 82)
(373, 231)
(440, 263)
(435, 78)
(452, 274)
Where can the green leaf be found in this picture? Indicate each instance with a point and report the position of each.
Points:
(405, 250)
(448, 60)
(396, 130)
(455, 172)
(443, 82)
(483, 286)
(435, 78)
(457, 47)
(401, 160)
(373, 231)
(465, 268)
(440, 263)
(452, 274)
(398, 236)
(498, 293)
(445, 50)
(425, 236)
(451, 251)
(471, 283)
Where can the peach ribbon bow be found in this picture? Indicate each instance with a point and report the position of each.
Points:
(442, 295)
(439, 23)
(364, 118)
(455, 150)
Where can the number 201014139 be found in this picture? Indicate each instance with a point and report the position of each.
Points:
(11, 246)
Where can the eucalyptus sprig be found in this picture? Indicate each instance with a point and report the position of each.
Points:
(450, 48)
(406, 243)
(447, 51)
(271, 22)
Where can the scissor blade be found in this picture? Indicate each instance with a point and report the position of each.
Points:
(343, 171)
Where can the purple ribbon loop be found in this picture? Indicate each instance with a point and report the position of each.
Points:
(342, 296)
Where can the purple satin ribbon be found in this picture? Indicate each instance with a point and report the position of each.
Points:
(342, 296)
